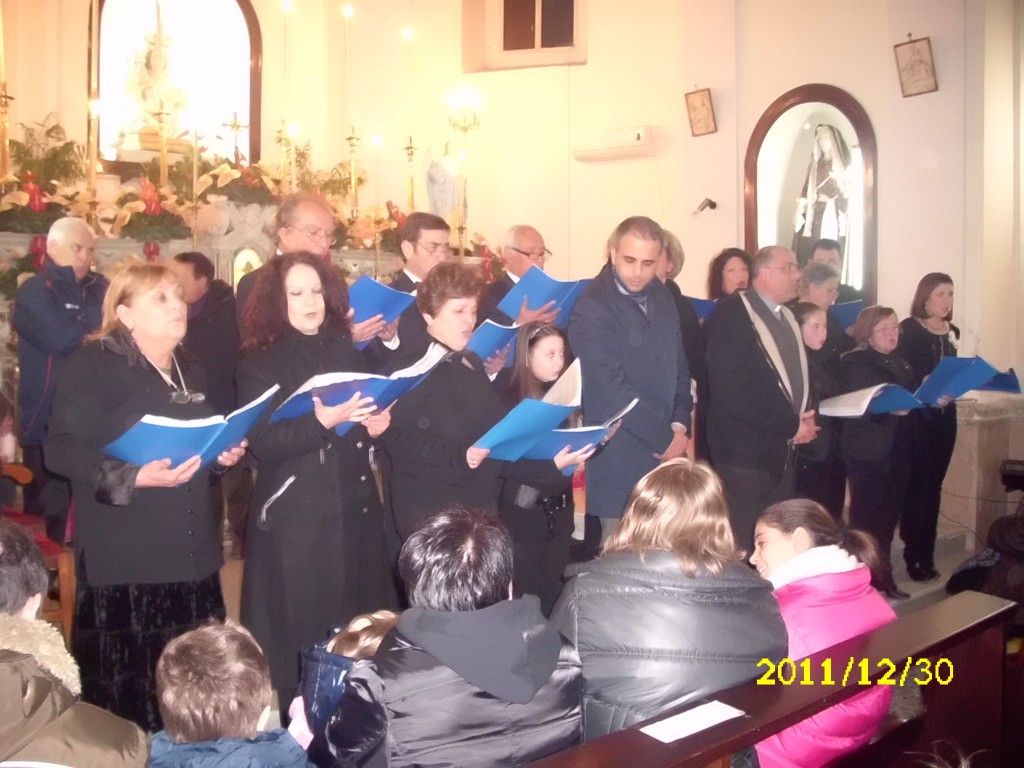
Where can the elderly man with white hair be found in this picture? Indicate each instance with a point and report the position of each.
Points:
(54, 311)
(523, 247)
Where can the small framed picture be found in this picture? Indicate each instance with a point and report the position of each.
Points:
(916, 67)
(701, 112)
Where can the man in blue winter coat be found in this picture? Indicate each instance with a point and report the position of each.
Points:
(53, 312)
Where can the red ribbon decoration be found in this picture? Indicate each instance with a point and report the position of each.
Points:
(38, 247)
(35, 192)
(151, 250)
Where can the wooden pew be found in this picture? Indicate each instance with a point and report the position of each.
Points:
(967, 629)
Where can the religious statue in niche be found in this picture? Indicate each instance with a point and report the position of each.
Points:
(821, 209)
(442, 181)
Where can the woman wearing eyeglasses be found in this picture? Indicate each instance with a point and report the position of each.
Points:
(315, 553)
(146, 539)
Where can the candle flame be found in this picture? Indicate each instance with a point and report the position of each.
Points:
(293, 130)
(408, 33)
(377, 139)
(348, 11)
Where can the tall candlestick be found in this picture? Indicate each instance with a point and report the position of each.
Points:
(348, 12)
(92, 156)
(410, 152)
(377, 140)
(3, 63)
(353, 165)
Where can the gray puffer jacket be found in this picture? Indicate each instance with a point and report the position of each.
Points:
(650, 637)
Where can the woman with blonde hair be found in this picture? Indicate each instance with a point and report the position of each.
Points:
(146, 540)
(668, 613)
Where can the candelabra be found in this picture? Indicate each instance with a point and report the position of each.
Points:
(463, 116)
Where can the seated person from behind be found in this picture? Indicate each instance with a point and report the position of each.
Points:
(325, 666)
(213, 688)
(41, 719)
(668, 613)
(469, 677)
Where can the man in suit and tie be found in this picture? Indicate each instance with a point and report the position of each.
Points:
(523, 247)
(757, 372)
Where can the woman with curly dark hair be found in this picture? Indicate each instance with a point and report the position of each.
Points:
(728, 272)
(315, 552)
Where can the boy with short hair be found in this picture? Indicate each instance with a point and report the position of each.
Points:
(213, 689)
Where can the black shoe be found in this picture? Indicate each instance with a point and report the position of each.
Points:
(894, 593)
(922, 572)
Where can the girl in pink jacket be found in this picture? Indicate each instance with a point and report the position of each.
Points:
(821, 572)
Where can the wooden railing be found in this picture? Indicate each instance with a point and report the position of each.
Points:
(959, 640)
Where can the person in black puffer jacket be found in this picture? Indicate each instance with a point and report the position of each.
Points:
(668, 613)
(469, 677)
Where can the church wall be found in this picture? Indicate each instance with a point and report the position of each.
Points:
(642, 58)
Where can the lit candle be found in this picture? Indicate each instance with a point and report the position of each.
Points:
(377, 140)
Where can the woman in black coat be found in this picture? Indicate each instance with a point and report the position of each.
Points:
(146, 540)
(876, 447)
(315, 554)
(928, 336)
(433, 427)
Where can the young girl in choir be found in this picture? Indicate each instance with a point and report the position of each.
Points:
(820, 474)
(538, 512)
(822, 573)
(876, 447)
(928, 336)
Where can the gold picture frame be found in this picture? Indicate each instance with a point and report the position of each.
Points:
(916, 67)
(701, 111)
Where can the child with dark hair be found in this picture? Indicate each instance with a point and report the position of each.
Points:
(822, 574)
(213, 688)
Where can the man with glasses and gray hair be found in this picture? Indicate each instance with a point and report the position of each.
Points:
(757, 374)
(523, 247)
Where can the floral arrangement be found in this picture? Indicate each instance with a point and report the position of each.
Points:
(148, 214)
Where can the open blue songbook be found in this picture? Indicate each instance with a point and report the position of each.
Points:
(368, 298)
(703, 306)
(490, 338)
(1002, 382)
(336, 388)
(539, 288)
(952, 377)
(846, 313)
(530, 429)
(158, 437)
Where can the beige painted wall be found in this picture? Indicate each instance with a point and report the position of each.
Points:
(643, 57)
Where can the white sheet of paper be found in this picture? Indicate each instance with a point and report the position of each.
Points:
(692, 721)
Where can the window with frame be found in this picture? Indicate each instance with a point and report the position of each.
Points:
(508, 34)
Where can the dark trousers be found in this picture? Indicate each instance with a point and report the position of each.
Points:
(48, 495)
(877, 489)
(232, 492)
(823, 481)
(934, 437)
(540, 546)
(749, 492)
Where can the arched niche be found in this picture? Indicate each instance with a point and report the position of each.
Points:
(776, 164)
(255, 75)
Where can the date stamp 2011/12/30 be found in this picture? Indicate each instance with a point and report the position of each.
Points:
(916, 671)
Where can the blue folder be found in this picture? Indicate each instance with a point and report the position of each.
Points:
(157, 437)
(369, 298)
(490, 338)
(846, 313)
(955, 376)
(539, 288)
(1003, 382)
(551, 443)
(522, 428)
(703, 306)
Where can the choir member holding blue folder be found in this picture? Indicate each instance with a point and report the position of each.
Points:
(430, 443)
(539, 288)
(315, 550)
(146, 538)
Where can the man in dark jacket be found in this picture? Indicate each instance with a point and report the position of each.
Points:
(469, 677)
(212, 338)
(757, 371)
(625, 331)
(523, 248)
(54, 311)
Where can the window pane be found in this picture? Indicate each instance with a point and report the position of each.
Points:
(520, 17)
(556, 23)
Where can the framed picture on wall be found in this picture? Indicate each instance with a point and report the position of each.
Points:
(701, 112)
(916, 67)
